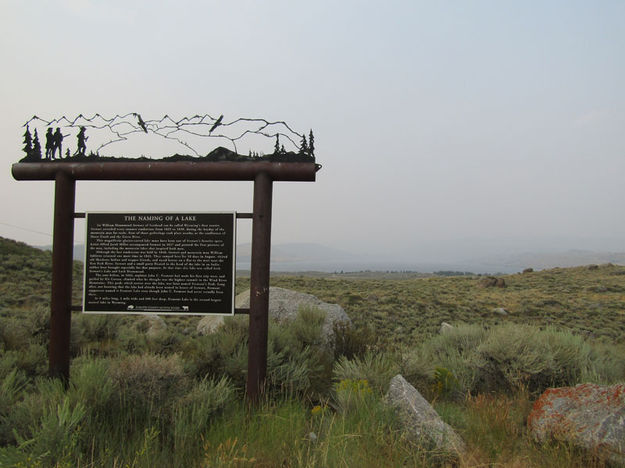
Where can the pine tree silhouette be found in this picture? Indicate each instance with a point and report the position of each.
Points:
(28, 143)
(303, 147)
(311, 144)
(276, 148)
(36, 152)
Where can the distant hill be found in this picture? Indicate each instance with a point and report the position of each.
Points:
(546, 260)
(292, 254)
(25, 274)
(79, 250)
(297, 253)
(317, 257)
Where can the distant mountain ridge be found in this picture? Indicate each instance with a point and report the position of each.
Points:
(317, 257)
(297, 252)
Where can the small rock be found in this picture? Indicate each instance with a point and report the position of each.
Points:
(420, 421)
(528, 270)
(592, 267)
(445, 328)
(312, 437)
(492, 282)
(588, 415)
(500, 311)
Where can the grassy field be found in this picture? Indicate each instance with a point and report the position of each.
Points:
(584, 300)
(174, 398)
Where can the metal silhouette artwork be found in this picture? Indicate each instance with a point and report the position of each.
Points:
(190, 135)
(82, 142)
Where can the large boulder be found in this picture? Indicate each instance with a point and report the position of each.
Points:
(588, 415)
(152, 325)
(284, 305)
(420, 421)
(210, 324)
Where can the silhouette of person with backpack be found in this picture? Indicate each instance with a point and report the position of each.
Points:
(49, 144)
(57, 143)
(82, 139)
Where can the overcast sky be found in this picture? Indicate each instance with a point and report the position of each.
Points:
(442, 127)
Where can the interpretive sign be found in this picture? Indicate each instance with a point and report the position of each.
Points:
(160, 263)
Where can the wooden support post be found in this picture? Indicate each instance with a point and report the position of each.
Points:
(259, 287)
(62, 259)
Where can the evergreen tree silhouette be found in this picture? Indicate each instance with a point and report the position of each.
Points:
(282, 150)
(36, 152)
(311, 144)
(28, 143)
(276, 148)
(303, 147)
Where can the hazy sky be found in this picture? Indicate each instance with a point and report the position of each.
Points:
(439, 125)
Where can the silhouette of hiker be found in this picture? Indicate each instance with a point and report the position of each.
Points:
(49, 144)
(82, 146)
(58, 143)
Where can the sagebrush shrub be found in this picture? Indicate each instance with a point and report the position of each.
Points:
(509, 357)
(306, 326)
(524, 356)
(11, 387)
(376, 368)
(91, 384)
(149, 379)
(352, 341)
(455, 351)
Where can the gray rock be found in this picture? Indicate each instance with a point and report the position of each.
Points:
(500, 311)
(445, 328)
(284, 305)
(588, 415)
(420, 421)
(210, 324)
(152, 324)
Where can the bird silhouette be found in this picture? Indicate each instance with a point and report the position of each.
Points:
(141, 122)
(216, 124)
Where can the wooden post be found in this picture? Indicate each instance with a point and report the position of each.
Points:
(62, 259)
(259, 287)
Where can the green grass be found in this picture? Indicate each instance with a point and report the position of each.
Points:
(407, 311)
(176, 398)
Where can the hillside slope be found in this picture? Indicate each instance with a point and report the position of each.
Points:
(587, 300)
(25, 275)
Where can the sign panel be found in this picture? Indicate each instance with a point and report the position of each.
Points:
(160, 263)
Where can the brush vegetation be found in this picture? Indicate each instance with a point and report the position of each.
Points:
(175, 398)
